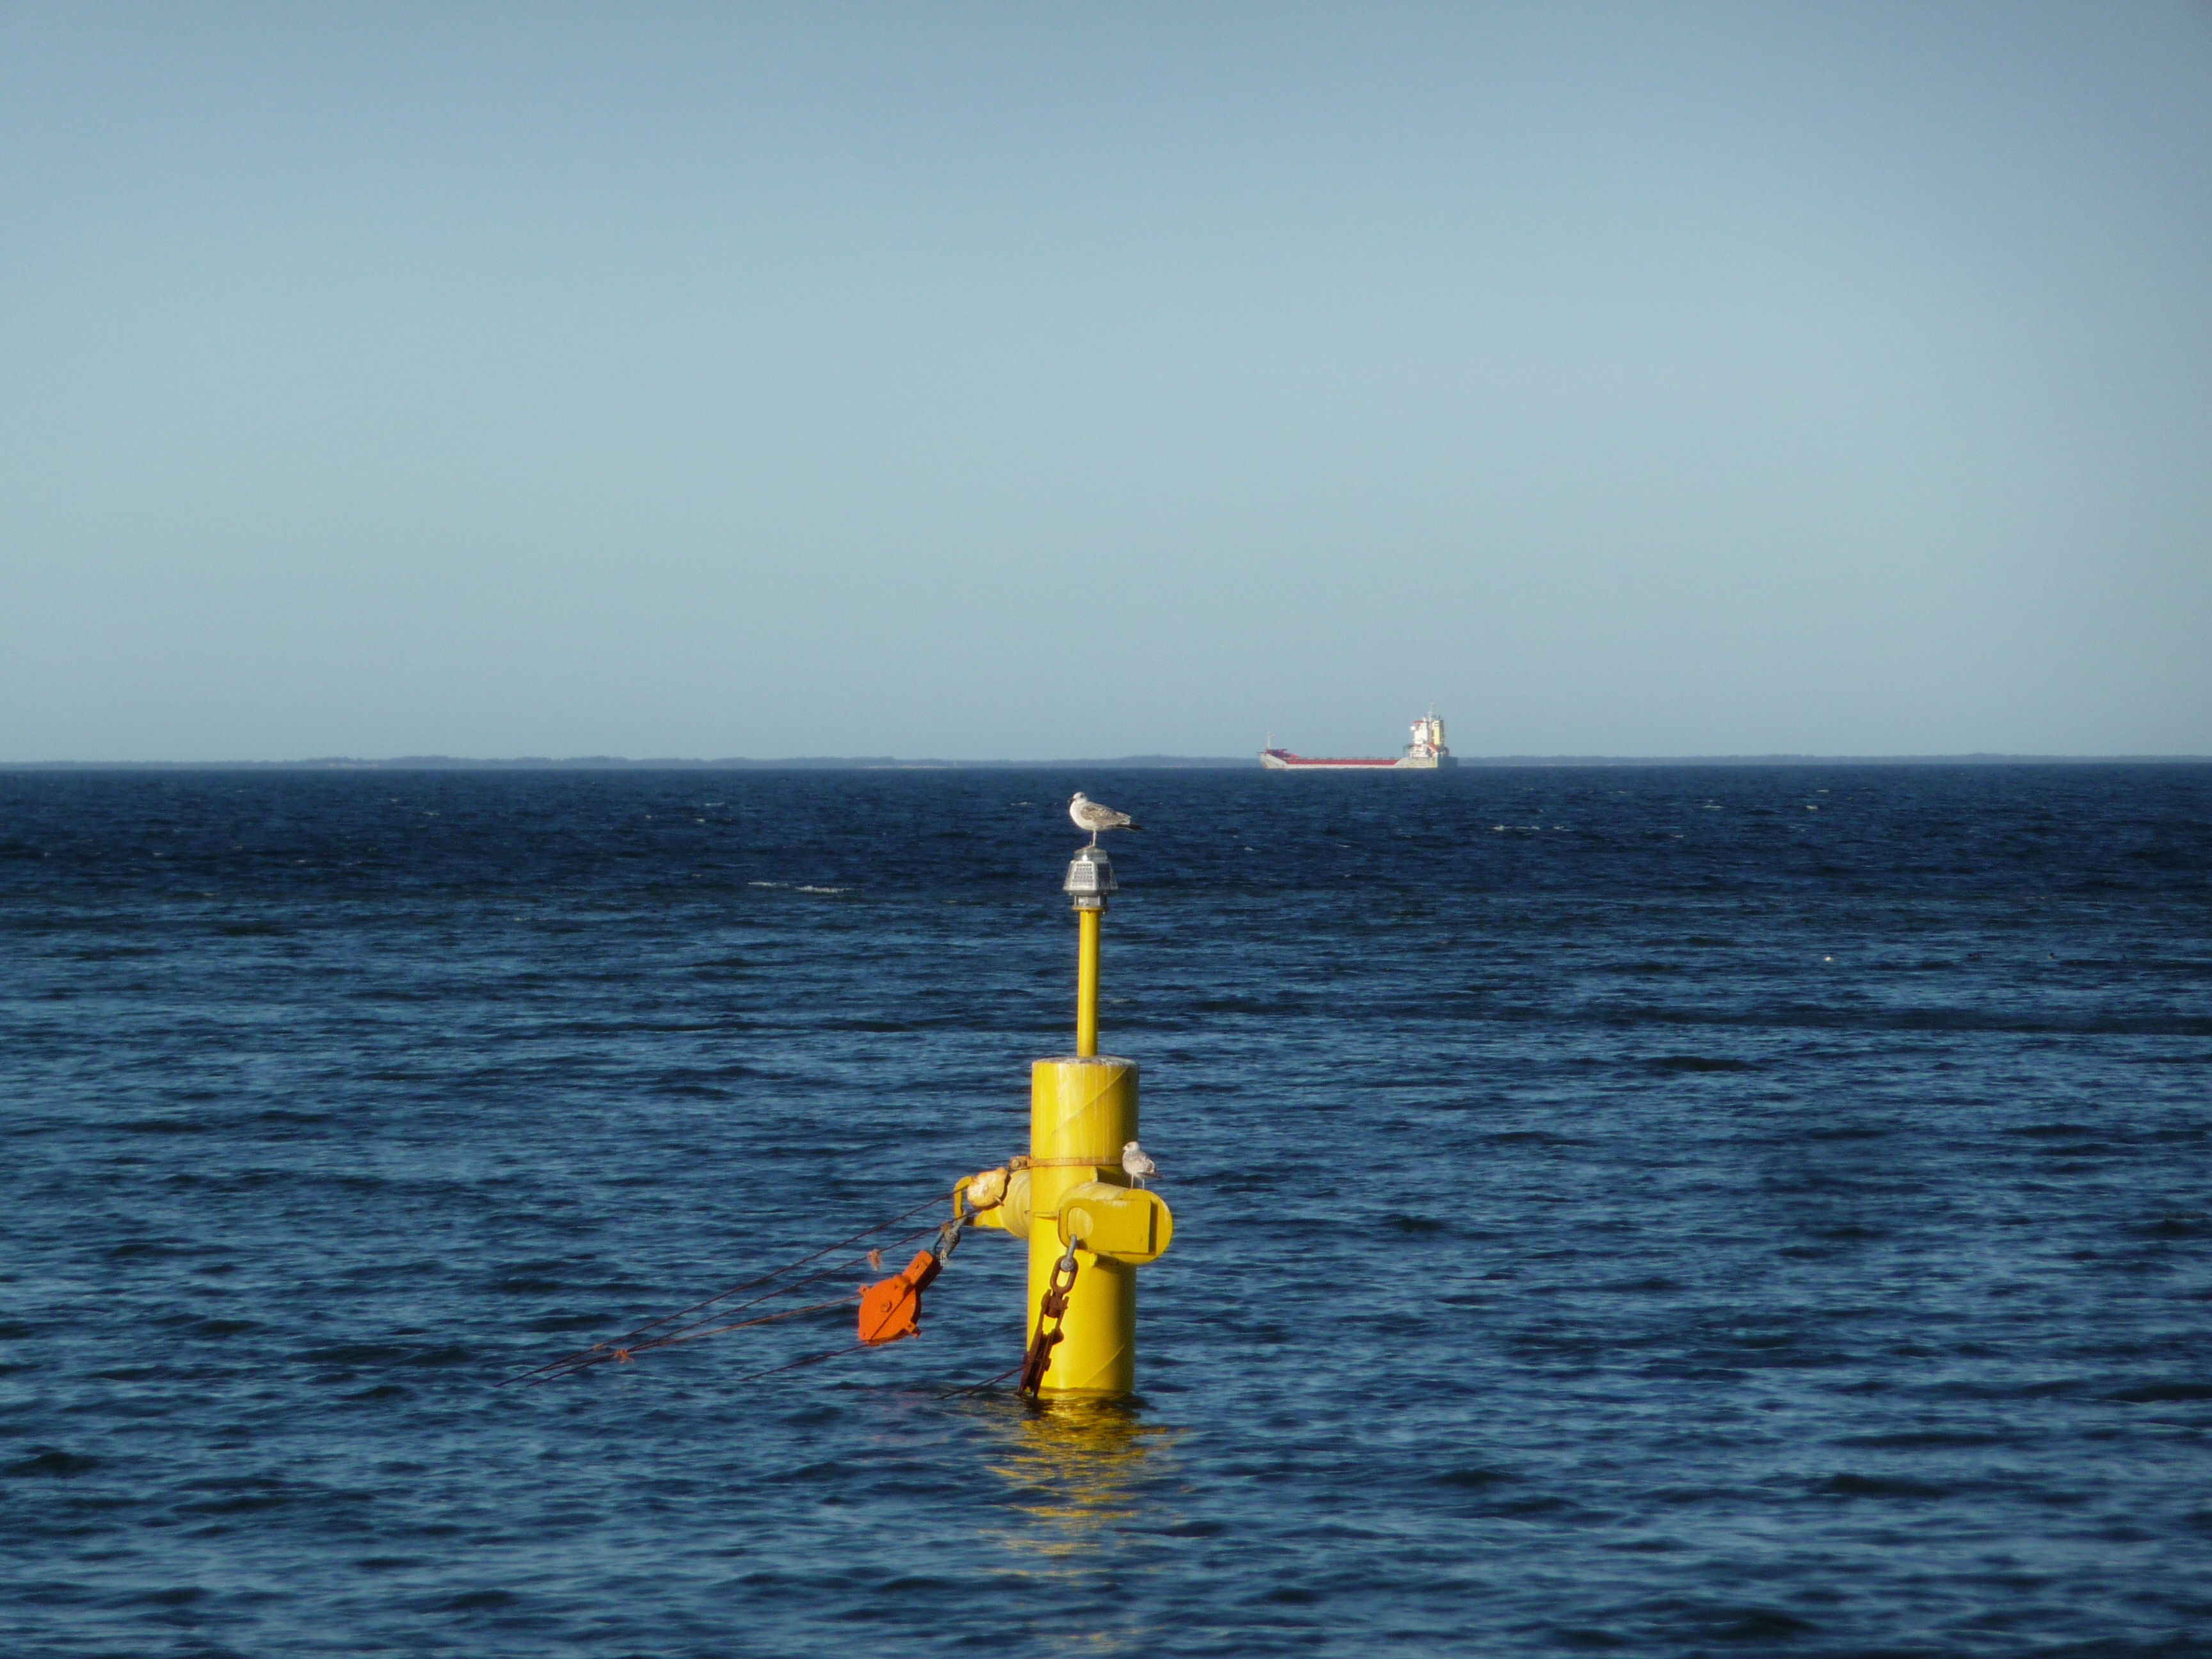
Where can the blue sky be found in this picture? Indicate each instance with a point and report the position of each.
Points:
(1036, 381)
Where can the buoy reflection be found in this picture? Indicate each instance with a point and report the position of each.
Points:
(1072, 1469)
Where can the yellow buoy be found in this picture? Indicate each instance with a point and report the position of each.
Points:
(1070, 1196)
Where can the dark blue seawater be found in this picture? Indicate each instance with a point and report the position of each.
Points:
(1669, 1212)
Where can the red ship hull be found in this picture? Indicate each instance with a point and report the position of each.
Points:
(1288, 759)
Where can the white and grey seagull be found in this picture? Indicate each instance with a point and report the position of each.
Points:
(1089, 815)
(1137, 1164)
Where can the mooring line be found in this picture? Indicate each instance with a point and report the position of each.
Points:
(806, 1360)
(624, 1355)
(601, 1353)
(988, 1383)
(629, 1339)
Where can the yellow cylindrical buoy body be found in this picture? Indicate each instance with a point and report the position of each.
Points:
(1082, 1110)
(1086, 989)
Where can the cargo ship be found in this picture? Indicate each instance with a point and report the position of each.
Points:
(1426, 753)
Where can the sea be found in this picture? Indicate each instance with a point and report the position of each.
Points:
(1652, 1210)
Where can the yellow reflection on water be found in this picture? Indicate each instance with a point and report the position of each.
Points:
(1070, 1470)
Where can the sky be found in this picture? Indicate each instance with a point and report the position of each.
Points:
(1079, 380)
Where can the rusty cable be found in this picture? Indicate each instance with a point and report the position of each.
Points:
(988, 1383)
(789, 1285)
(803, 1359)
(601, 1354)
(614, 1355)
(629, 1341)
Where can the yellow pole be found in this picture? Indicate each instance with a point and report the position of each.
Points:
(1086, 989)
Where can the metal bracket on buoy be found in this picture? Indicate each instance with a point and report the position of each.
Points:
(1118, 1224)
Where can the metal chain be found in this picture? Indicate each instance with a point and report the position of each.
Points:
(1053, 1307)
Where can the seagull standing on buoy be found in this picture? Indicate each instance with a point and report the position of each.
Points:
(1137, 1164)
(1089, 815)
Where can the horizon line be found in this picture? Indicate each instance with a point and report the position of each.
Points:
(1129, 762)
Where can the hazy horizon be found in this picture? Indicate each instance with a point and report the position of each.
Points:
(1714, 381)
(1129, 762)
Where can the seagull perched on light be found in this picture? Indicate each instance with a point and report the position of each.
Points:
(1089, 815)
(1137, 1164)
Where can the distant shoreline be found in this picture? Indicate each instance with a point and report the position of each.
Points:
(1123, 762)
